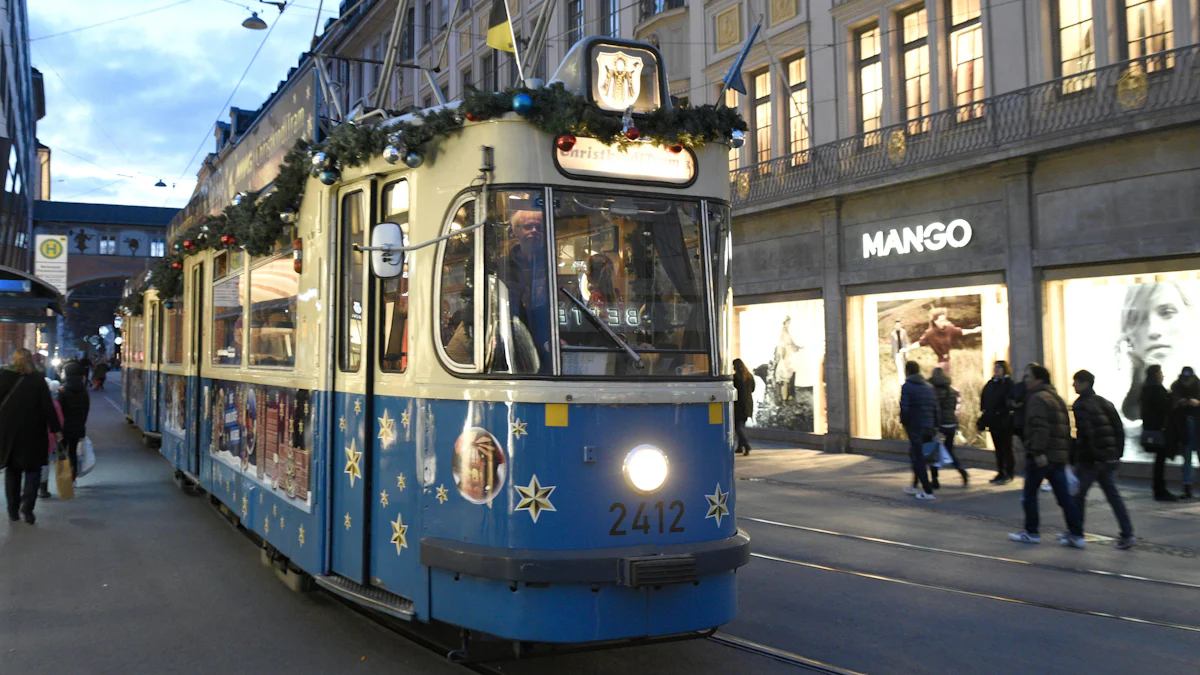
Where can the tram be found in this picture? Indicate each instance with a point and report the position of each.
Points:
(489, 390)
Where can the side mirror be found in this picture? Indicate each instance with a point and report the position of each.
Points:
(387, 261)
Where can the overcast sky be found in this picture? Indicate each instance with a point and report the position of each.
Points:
(130, 102)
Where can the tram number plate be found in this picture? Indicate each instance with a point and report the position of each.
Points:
(667, 513)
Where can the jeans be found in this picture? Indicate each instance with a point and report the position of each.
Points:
(12, 488)
(1106, 474)
(1056, 473)
(739, 427)
(916, 455)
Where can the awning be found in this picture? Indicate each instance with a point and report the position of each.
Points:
(22, 293)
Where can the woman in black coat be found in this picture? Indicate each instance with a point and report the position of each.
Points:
(995, 416)
(26, 412)
(743, 381)
(1155, 406)
(75, 403)
(1183, 423)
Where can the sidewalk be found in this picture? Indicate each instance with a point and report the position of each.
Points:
(1173, 526)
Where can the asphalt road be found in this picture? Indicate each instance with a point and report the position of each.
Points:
(134, 576)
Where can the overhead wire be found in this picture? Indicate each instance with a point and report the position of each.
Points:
(108, 22)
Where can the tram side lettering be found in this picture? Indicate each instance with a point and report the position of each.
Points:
(641, 520)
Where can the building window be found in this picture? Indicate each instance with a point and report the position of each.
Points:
(652, 7)
(870, 83)
(735, 154)
(443, 14)
(1075, 45)
(574, 21)
(1149, 30)
(158, 247)
(466, 81)
(966, 58)
(491, 74)
(762, 116)
(427, 29)
(108, 244)
(914, 59)
(610, 18)
(798, 109)
(408, 42)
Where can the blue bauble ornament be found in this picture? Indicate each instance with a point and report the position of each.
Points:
(737, 139)
(522, 104)
(329, 176)
(414, 159)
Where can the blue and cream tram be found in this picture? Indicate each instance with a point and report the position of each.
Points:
(522, 428)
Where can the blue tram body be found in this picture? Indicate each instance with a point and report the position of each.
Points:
(502, 506)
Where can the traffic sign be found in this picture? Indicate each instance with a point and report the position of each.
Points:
(50, 260)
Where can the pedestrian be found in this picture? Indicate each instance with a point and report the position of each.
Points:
(919, 415)
(996, 418)
(1047, 433)
(86, 362)
(99, 373)
(1017, 397)
(948, 400)
(1099, 444)
(1155, 408)
(743, 409)
(26, 412)
(75, 404)
(44, 487)
(1183, 423)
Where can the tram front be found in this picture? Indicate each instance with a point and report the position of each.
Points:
(585, 322)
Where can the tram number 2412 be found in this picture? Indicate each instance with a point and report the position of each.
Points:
(641, 520)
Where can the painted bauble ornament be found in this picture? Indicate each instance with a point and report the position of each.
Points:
(414, 159)
(737, 139)
(522, 104)
(328, 176)
(472, 117)
(632, 133)
(320, 160)
(675, 149)
(566, 142)
(391, 154)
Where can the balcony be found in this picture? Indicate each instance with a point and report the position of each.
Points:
(1151, 92)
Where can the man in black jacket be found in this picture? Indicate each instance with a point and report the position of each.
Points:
(995, 416)
(1099, 443)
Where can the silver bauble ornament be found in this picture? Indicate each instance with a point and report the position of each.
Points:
(320, 160)
(392, 154)
(237, 199)
(737, 139)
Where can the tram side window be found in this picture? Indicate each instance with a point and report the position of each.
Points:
(517, 286)
(350, 295)
(393, 296)
(274, 285)
(173, 338)
(458, 288)
(227, 313)
(154, 328)
(719, 228)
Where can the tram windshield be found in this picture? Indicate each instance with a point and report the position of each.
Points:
(635, 264)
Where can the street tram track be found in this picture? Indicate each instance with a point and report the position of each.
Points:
(787, 657)
(977, 556)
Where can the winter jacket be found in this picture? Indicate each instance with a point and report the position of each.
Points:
(744, 408)
(76, 403)
(1155, 406)
(1098, 429)
(25, 420)
(947, 399)
(1177, 420)
(918, 405)
(1016, 403)
(1047, 425)
(100, 372)
(993, 405)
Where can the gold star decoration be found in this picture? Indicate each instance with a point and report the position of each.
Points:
(281, 522)
(535, 498)
(399, 534)
(405, 419)
(266, 525)
(342, 423)
(358, 405)
(245, 507)
(260, 498)
(383, 498)
(716, 505)
(353, 460)
(517, 428)
(301, 535)
(347, 520)
(387, 430)
(275, 510)
(401, 483)
(442, 495)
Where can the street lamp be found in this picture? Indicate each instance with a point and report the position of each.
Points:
(253, 23)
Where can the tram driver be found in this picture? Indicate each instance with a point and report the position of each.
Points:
(525, 276)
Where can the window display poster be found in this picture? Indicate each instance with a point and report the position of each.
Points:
(1116, 327)
(783, 344)
(936, 331)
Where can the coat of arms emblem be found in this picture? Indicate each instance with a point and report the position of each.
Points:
(620, 81)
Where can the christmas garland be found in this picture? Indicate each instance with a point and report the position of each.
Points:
(260, 225)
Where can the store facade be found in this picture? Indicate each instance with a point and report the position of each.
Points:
(1087, 257)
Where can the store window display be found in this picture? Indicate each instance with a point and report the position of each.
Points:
(783, 345)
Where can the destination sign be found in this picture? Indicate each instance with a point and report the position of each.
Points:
(641, 162)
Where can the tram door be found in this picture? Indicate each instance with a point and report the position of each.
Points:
(196, 412)
(351, 419)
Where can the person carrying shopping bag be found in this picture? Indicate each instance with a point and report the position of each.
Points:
(44, 491)
(26, 411)
(75, 404)
(948, 399)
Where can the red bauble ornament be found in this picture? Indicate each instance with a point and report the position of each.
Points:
(675, 149)
(472, 117)
(228, 239)
(188, 244)
(632, 133)
(565, 142)
(177, 265)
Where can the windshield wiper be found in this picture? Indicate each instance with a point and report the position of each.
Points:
(612, 335)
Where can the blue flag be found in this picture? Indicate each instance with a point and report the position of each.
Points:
(734, 79)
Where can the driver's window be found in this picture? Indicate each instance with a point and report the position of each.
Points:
(517, 279)
(458, 289)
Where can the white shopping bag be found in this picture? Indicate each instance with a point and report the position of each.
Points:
(86, 455)
(944, 458)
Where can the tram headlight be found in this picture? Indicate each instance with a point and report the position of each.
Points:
(646, 468)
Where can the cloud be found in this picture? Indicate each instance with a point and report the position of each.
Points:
(137, 97)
